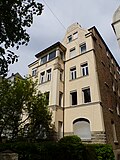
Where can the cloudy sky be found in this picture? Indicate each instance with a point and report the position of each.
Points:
(57, 15)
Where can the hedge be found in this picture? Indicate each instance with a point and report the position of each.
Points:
(68, 148)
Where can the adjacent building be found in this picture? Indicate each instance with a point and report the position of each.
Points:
(116, 24)
(82, 81)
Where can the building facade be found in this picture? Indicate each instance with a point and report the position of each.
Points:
(82, 81)
(116, 24)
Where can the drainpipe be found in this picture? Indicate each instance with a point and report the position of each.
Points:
(64, 100)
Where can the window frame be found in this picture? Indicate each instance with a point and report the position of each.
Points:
(42, 77)
(69, 38)
(84, 96)
(73, 73)
(72, 103)
(48, 75)
(54, 53)
(75, 35)
(60, 99)
(82, 46)
(84, 69)
(73, 52)
(34, 72)
(47, 94)
(43, 62)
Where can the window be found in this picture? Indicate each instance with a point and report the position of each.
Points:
(115, 75)
(118, 109)
(112, 61)
(86, 95)
(52, 55)
(61, 75)
(113, 86)
(69, 38)
(73, 98)
(34, 72)
(75, 35)
(62, 55)
(83, 48)
(84, 69)
(44, 59)
(60, 129)
(48, 57)
(73, 73)
(42, 77)
(118, 92)
(47, 95)
(114, 132)
(81, 128)
(48, 75)
(72, 52)
(60, 98)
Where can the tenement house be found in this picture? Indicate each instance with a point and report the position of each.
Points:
(82, 81)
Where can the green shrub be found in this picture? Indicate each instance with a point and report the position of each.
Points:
(104, 152)
(71, 148)
(68, 148)
(100, 152)
(70, 139)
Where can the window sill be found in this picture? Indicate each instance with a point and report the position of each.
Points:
(116, 142)
(44, 82)
(79, 77)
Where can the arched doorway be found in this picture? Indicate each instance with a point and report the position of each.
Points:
(81, 128)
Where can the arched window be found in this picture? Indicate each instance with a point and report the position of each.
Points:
(81, 128)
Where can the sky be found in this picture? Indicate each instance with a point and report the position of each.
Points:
(50, 27)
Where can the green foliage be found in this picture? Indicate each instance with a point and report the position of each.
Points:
(15, 17)
(104, 152)
(70, 147)
(23, 111)
(74, 139)
(60, 151)
(100, 152)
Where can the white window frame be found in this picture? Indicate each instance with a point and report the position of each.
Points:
(48, 75)
(84, 69)
(73, 73)
(42, 77)
(34, 72)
